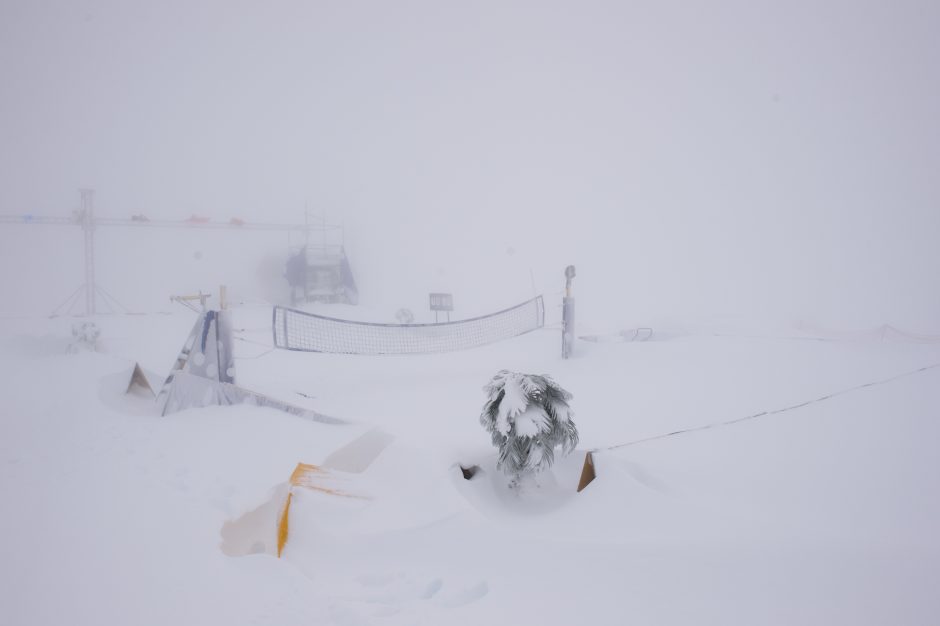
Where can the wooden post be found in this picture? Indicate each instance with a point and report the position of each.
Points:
(587, 472)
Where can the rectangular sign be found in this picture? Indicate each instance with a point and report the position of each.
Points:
(442, 301)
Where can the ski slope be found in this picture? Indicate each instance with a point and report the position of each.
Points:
(825, 514)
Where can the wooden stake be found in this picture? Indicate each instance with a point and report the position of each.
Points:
(587, 472)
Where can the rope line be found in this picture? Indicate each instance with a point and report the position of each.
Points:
(774, 411)
(269, 350)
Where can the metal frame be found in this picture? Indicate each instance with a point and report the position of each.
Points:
(85, 217)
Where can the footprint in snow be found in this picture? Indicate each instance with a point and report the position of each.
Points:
(432, 588)
(344, 616)
(465, 596)
(376, 580)
(394, 591)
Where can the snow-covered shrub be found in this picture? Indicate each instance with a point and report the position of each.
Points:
(84, 337)
(528, 417)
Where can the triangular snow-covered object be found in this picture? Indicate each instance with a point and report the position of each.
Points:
(139, 382)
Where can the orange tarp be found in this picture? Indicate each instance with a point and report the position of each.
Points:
(307, 476)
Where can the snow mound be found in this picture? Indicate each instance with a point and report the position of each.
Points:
(488, 490)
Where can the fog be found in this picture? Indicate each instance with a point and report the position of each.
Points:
(696, 161)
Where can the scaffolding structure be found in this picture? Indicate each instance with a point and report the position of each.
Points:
(319, 270)
(84, 217)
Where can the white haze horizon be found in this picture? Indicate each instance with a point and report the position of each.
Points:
(759, 162)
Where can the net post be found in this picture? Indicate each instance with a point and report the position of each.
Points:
(567, 316)
(274, 326)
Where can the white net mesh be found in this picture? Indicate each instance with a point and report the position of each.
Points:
(298, 330)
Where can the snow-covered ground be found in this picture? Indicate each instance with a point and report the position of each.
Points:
(825, 514)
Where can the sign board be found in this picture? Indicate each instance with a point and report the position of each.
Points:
(442, 302)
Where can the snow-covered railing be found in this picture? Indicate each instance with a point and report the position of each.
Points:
(308, 332)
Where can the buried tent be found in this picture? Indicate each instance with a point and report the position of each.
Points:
(204, 374)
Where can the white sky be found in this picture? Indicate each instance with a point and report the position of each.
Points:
(760, 159)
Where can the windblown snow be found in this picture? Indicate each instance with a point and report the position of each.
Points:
(823, 514)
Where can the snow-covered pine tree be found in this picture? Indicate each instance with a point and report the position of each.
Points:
(528, 416)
